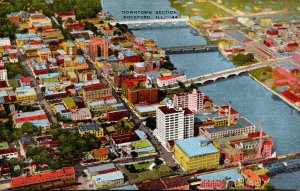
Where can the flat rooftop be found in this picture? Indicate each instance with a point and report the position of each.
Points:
(230, 174)
(192, 146)
(241, 123)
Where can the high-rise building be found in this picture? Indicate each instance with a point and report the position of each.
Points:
(3, 72)
(192, 100)
(98, 48)
(174, 124)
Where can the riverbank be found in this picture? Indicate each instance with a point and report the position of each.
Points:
(275, 93)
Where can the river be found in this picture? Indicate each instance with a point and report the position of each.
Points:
(247, 96)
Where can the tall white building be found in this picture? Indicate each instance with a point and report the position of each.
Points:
(3, 72)
(5, 41)
(174, 124)
(192, 100)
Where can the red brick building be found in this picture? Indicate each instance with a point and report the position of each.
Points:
(167, 183)
(116, 115)
(64, 174)
(147, 95)
(136, 92)
(98, 47)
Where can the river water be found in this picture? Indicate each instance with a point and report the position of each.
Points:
(247, 96)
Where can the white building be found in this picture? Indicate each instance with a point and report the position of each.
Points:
(173, 124)
(3, 72)
(170, 80)
(192, 100)
(8, 153)
(81, 114)
(5, 41)
(216, 34)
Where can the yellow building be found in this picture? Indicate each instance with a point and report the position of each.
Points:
(26, 95)
(69, 47)
(93, 128)
(196, 153)
(222, 121)
(252, 178)
(100, 154)
(266, 21)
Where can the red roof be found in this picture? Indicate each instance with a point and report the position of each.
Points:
(224, 107)
(43, 138)
(290, 96)
(264, 177)
(47, 175)
(97, 86)
(31, 118)
(25, 79)
(65, 14)
(170, 77)
(6, 151)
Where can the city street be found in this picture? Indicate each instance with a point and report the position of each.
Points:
(40, 97)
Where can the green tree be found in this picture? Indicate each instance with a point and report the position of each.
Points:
(70, 20)
(151, 123)
(29, 128)
(134, 154)
(86, 8)
(7, 29)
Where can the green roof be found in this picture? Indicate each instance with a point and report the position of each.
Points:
(110, 129)
(140, 144)
(51, 80)
(69, 102)
(3, 145)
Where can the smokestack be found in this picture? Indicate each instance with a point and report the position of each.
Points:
(260, 140)
(229, 113)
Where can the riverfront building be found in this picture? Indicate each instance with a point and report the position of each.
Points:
(170, 80)
(192, 100)
(196, 153)
(239, 126)
(220, 179)
(174, 124)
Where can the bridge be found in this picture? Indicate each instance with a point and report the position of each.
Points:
(224, 74)
(192, 48)
(149, 22)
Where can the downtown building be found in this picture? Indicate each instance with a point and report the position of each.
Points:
(174, 124)
(98, 47)
(192, 100)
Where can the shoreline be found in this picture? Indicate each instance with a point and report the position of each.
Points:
(275, 93)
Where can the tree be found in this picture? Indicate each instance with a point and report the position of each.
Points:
(29, 128)
(269, 187)
(131, 67)
(59, 20)
(151, 123)
(134, 154)
(86, 8)
(3, 114)
(157, 161)
(70, 20)
(7, 28)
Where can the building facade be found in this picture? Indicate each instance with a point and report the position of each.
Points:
(196, 153)
(98, 47)
(192, 100)
(174, 124)
(64, 174)
(95, 91)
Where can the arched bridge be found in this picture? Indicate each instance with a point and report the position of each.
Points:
(149, 22)
(221, 75)
(192, 48)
